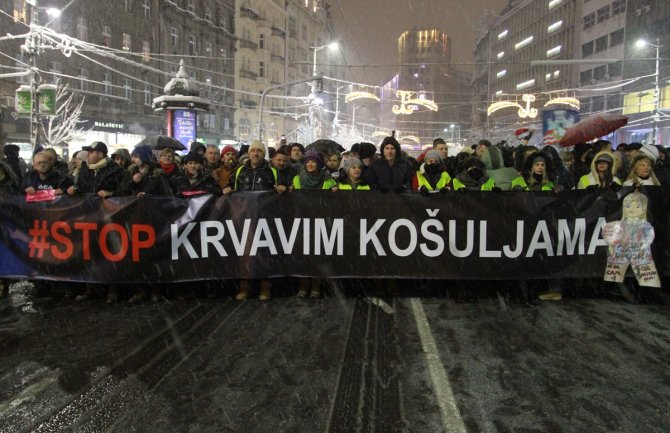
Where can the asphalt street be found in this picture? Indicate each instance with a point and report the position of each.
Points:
(337, 364)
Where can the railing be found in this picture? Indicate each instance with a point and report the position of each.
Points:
(246, 43)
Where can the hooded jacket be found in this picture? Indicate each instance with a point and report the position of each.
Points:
(385, 176)
(592, 179)
(495, 168)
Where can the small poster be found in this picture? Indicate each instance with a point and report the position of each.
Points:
(184, 126)
(555, 122)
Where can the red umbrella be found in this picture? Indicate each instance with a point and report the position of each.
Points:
(592, 127)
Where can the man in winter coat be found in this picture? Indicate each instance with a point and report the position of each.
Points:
(45, 177)
(101, 175)
(391, 172)
(472, 176)
(255, 174)
(227, 167)
(195, 180)
(15, 162)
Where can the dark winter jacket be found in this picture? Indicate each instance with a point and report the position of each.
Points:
(185, 186)
(9, 183)
(155, 182)
(111, 177)
(54, 180)
(246, 178)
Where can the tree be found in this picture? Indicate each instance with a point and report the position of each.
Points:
(64, 126)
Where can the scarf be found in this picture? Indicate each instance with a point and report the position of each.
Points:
(312, 181)
(100, 164)
(168, 168)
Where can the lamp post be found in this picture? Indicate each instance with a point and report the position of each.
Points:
(314, 103)
(336, 119)
(641, 43)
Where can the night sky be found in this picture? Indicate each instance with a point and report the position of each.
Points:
(370, 30)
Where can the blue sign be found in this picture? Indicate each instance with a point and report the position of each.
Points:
(555, 122)
(184, 126)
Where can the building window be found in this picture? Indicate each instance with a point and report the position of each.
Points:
(586, 76)
(82, 28)
(589, 20)
(107, 83)
(614, 69)
(603, 13)
(208, 48)
(587, 49)
(600, 72)
(616, 38)
(292, 28)
(554, 3)
(83, 79)
(126, 42)
(225, 124)
(501, 74)
(601, 44)
(174, 36)
(208, 14)
(147, 94)
(192, 45)
(208, 86)
(128, 89)
(554, 51)
(261, 69)
(224, 56)
(146, 8)
(146, 50)
(557, 25)
(618, 6)
(524, 43)
(128, 4)
(525, 84)
(503, 34)
(107, 36)
(190, 5)
(261, 40)
(597, 104)
(501, 55)
(56, 68)
(304, 33)
(222, 21)
(245, 128)
(613, 101)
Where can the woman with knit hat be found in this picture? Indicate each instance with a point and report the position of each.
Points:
(352, 176)
(431, 176)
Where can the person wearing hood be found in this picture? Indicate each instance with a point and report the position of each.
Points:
(9, 183)
(313, 174)
(432, 175)
(391, 172)
(537, 175)
(492, 157)
(563, 177)
(602, 173)
(15, 162)
(642, 171)
(472, 176)
(582, 158)
(122, 158)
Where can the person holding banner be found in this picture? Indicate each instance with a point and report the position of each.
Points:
(537, 175)
(352, 176)
(45, 177)
(195, 180)
(431, 176)
(392, 172)
(255, 174)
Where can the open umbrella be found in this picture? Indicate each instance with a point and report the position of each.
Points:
(325, 146)
(160, 142)
(592, 127)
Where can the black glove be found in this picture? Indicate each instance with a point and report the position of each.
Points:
(424, 191)
(384, 190)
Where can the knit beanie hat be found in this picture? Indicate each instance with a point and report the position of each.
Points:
(255, 144)
(313, 155)
(143, 153)
(227, 149)
(193, 156)
(350, 162)
(433, 154)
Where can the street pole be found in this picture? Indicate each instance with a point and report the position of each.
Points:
(33, 50)
(657, 93)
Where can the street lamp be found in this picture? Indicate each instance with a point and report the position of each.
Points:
(641, 43)
(333, 46)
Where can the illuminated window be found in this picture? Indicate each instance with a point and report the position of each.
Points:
(557, 25)
(501, 73)
(554, 3)
(146, 8)
(499, 92)
(126, 42)
(501, 55)
(523, 43)
(502, 35)
(554, 51)
(146, 49)
(525, 84)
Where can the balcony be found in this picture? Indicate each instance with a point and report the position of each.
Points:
(246, 43)
(251, 75)
(248, 103)
(276, 31)
(276, 58)
(247, 12)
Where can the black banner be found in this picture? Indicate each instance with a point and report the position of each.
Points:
(477, 235)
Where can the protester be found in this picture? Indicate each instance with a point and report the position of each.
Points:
(472, 176)
(536, 175)
(296, 151)
(392, 172)
(195, 180)
(9, 183)
(602, 173)
(256, 174)
(492, 157)
(431, 176)
(228, 163)
(313, 174)
(15, 162)
(45, 176)
(642, 171)
(122, 158)
(212, 159)
(285, 171)
(351, 178)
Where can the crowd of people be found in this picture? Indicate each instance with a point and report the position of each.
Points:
(327, 166)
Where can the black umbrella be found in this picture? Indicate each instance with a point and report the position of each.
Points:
(326, 147)
(160, 142)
